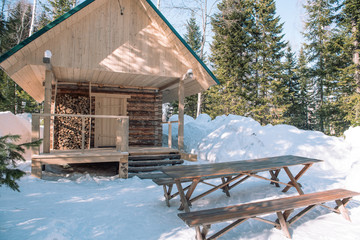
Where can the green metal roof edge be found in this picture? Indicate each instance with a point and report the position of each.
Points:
(44, 30)
(182, 40)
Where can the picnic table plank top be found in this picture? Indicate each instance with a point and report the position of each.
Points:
(235, 167)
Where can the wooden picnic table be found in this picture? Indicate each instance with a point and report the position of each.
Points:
(232, 174)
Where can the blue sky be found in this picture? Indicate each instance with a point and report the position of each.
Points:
(292, 14)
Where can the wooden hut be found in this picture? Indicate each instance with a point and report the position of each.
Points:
(103, 71)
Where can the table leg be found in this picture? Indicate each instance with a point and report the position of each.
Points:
(274, 176)
(293, 181)
(192, 189)
(298, 176)
(226, 188)
(184, 201)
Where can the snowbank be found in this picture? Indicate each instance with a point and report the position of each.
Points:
(11, 124)
(91, 207)
(231, 138)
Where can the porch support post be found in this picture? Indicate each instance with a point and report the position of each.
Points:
(35, 133)
(181, 115)
(122, 135)
(181, 93)
(47, 107)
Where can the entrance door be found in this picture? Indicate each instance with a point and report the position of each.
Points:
(105, 129)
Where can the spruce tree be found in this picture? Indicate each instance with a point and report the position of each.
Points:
(268, 48)
(349, 20)
(16, 29)
(246, 54)
(306, 93)
(318, 28)
(56, 8)
(290, 99)
(193, 39)
(18, 24)
(231, 56)
(10, 153)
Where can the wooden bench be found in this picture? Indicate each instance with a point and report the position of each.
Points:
(283, 207)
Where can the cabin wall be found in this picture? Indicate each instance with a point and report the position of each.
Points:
(144, 108)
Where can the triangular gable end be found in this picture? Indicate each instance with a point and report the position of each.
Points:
(102, 45)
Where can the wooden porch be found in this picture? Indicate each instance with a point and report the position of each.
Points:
(137, 158)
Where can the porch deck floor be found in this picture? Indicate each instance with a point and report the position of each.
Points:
(110, 151)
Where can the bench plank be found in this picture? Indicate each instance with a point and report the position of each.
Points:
(253, 209)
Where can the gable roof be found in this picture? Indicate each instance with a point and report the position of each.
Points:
(81, 6)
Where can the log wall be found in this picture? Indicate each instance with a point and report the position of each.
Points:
(144, 109)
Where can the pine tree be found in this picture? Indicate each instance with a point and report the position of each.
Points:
(18, 24)
(268, 47)
(9, 154)
(16, 29)
(56, 8)
(290, 85)
(231, 57)
(306, 92)
(193, 38)
(350, 22)
(246, 53)
(318, 29)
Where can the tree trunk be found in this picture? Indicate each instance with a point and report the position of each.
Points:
(203, 41)
(32, 18)
(356, 58)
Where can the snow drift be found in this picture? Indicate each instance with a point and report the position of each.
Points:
(232, 138)
(81, 206)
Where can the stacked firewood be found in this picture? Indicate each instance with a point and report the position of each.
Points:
(67, 130)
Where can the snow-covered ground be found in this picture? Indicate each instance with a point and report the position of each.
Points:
(95, 207)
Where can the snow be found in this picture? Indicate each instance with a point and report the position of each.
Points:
(83, 206)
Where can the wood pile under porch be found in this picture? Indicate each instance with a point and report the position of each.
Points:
(62, 157)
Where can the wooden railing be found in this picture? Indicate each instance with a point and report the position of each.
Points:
(122, 130)
(170, 132)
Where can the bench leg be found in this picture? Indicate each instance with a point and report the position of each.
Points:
(167, 193)
(36, 169)
(344, 212)
(286, 215)
(284, 224)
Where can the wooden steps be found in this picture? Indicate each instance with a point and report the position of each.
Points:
(154, 157)
(144, 165)
(155, 162)
(144, 169)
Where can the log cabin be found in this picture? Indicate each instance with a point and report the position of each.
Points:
(103, 70)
